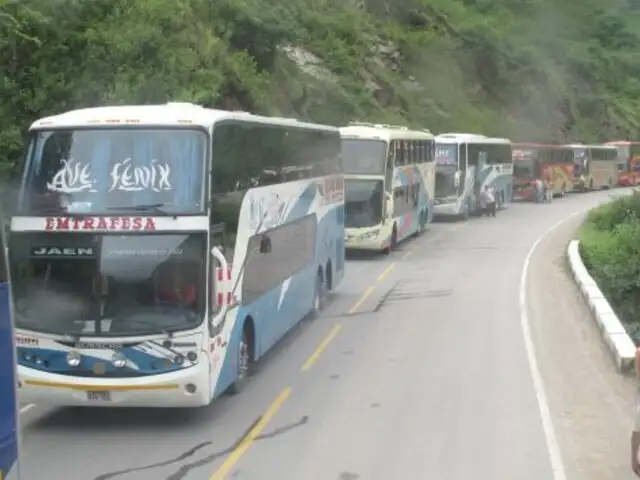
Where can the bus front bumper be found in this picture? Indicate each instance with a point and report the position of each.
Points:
(174, 389)
(446, 209)
(373, 239)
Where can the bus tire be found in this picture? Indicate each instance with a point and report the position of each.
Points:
(422, 221)
(394, 240)
(466, 210)
(245, 357)
(328, 274)
(319, 295)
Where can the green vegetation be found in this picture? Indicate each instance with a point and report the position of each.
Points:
(610, 248)
(527, 69)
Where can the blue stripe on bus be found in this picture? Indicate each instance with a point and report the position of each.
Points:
(56, 362)
(8, 384)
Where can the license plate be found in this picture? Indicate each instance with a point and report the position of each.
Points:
(101, 396)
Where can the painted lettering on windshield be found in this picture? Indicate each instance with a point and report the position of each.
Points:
(76, 177)
(73, 177)
(129, 178)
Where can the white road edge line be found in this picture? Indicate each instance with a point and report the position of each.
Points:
(26, 408)
(553, 447)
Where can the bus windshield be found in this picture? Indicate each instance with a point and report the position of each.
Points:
(364, 157)
(114, 169)
(363, 203)
(446, 184)
(524, 168)
(108, 285)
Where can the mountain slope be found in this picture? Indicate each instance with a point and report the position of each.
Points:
(526, 69)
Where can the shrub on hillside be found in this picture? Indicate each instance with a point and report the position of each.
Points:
(610, 249)
(608, 217)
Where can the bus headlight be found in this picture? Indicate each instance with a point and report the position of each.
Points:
(192, 357)
(371, 234)
(119, 360)
(74, 359)
(179, 360)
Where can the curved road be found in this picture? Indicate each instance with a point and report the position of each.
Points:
(417, 370)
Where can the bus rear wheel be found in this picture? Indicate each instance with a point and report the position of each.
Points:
(319, 295)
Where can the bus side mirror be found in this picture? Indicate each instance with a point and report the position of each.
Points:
(265, 244)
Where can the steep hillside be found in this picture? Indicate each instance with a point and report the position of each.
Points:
(528, 69)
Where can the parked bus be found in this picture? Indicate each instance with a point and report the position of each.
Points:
(466, 164)
(594, 167)
(628, 162)
(9, 414)
(159, 251)
(389, 184)
(552, 164)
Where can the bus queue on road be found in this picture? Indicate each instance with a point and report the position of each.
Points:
(158, 252)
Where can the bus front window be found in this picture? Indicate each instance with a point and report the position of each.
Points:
(363, 203)
(108, 285)
(524, 169)
(364, 157)
(116, 169)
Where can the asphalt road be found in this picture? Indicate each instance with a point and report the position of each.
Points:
(417, 370)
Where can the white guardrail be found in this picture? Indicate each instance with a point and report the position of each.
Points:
(613, 332)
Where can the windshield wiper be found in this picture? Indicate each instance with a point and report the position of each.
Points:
(145, 207)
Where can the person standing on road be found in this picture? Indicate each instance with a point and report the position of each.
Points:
(489, 201)
(537, 190)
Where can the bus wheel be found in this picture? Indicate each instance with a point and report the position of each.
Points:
(466, 210)
(422, 221)
(244, 358)
(394, 241)
(318, 295)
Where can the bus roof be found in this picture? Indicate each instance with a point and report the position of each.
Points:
(537, 145)
(470, 138)
(371, 131)
(621, 142)
(600, 146)
(168, 114)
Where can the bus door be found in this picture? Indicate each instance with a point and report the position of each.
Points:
(395, 153)
(463, 167)
(634, 163)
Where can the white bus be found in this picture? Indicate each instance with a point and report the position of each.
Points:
(389, 184)
(465, 164)
(159, 251)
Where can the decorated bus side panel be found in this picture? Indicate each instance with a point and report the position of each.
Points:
(286, 233)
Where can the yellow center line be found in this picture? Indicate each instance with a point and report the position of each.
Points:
(318, 351)
(386, 272)
(248, 440)
(363, 298)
